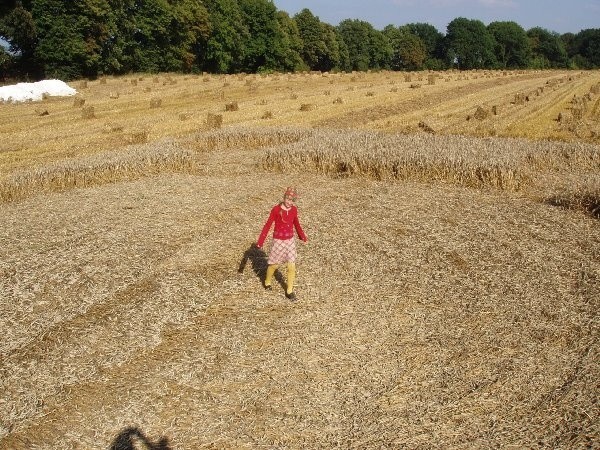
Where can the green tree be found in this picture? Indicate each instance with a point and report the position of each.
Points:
(548, 50)
(357, 35)
(331, 57)
(469, 44)
(5, 63)
(408, 50)
(264, 47)
(223, 51)
(189, 27)
(513, 49)
(433, 41)
(61, 30)
(313, 42)
(586, 47)
(18, 29)
(380, 50)
(291, 43)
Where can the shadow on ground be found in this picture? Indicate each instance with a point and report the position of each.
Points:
(258, 261)
(129, 437)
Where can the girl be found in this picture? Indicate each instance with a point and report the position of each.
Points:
(283, 250)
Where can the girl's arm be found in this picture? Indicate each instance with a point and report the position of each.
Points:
(266, 228)
(299, 229)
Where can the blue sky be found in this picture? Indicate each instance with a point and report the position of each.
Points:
(561, 16)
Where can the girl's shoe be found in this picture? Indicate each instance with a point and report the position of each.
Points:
(291, 296)
(268, 288)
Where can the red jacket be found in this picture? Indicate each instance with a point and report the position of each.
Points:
(285, 222)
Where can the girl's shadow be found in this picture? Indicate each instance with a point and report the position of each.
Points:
(258, 262)
(129, 437)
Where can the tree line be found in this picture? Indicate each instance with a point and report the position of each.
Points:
(89, 38)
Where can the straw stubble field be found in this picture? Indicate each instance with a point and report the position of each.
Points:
(448, 294)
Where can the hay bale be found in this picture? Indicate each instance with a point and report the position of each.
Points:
(78, 102)
(563, 117)
(495, 110)
(431, 79)
(83, 85)
(138, 137)
(577, 112)
(115, 128)
(232, 106)
(184, 116)
(307, 107)
(407, 78)
(87, 112)
(481, 113)
(415, 85)
(519, 99)
(147, 89)
(114, 95)
(214, 120)
(267, 115)
(370, 94)
(103, 80)
(155, 102)
(42, 112)
(425, 127)
(338, 101)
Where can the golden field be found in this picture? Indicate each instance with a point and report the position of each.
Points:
(448, 296)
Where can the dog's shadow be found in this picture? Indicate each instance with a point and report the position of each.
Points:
(258, 262)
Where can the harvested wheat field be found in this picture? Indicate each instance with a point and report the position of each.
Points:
(448, 296)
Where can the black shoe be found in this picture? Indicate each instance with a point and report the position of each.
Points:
(268, 288)
(291, 296)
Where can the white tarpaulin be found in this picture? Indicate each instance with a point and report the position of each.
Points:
(22, 92)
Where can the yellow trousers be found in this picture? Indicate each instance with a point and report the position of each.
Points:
(291, 276)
